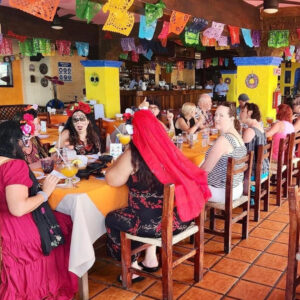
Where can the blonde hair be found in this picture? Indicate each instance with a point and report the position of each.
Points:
(188, 108)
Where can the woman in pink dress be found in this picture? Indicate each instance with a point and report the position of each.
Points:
(27, 274)
(281, 128)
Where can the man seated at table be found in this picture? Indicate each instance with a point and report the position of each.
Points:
(203, 110)
(151, 161)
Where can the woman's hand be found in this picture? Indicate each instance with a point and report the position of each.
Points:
(49, 184)
(170, 116)
(144, 104)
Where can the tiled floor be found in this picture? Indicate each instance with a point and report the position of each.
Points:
(255, 268)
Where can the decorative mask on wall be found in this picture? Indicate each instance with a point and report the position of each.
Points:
(94, 79)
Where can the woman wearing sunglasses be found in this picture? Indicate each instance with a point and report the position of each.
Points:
(80, 132)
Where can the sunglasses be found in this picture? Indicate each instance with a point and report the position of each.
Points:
(81, 119)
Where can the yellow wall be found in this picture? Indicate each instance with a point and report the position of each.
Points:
(262, 95)
(13, 95)
(231, 95)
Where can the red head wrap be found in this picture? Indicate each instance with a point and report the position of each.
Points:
(169, 165)
(85, 108)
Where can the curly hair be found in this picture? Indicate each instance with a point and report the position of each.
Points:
(92, 132)
(232, 113)
(284, 113)
(255, 111)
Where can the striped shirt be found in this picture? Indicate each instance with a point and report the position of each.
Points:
(217, 176)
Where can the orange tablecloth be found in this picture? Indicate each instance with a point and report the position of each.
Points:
(57, 119)
(52, 135)
(109, 126)
(105, 197)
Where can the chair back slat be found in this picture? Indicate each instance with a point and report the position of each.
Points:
(167, 212)
(263, 152)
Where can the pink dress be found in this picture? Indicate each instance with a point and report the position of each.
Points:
(288, 128)
(26, 273)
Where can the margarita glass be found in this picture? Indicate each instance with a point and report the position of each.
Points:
(69, 170)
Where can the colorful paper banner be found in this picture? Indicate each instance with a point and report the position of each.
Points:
(154, 11)
(178, 21)
(146, 31)
(247, 37)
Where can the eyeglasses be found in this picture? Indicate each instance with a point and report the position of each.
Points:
(81, 119)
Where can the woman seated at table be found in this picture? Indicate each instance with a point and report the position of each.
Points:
(203, 110)
(26, 273)
(187, 121)
(229, 144)
(281, 128)
(151, 161)
(296, 115)
(80, 132)
(32, 147)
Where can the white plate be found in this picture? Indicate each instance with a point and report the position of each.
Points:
(38, 175)
(43, 136)
(74, 181)
(92, 158)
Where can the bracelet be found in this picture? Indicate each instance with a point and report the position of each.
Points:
(44, 195)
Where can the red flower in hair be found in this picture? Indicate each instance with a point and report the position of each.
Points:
(27, 125)
(85, 108)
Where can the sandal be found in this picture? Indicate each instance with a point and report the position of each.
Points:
(147, 269)
(134, 280)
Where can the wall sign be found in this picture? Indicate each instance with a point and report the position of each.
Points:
(251, 81)
(65, 71)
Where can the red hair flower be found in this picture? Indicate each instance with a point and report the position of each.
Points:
(81, 106)
(27, 125)
(127, 116)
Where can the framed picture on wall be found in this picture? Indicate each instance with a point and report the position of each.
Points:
(287, 91)
(287, 77)
(6, 77)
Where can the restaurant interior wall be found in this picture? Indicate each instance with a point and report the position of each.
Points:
(232, 85)
(287, 78)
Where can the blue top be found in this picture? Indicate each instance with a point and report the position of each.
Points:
(101, 63)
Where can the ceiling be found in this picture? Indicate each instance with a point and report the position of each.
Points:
(282, 3)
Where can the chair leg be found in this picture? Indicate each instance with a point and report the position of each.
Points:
(212, 222)
(245, 220)
(126, 260)
(267, 195)
(279, 190)
(167, 271)
(83, 287)
(199, 245)
(257, 203)
(286, 184)
(227, 232)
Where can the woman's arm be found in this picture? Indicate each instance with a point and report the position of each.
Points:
(180, 124)
(64, 139)
(18, 201)
(297, 125)
(248, 135)
(222, 146)
(119, 172)
(274, 129)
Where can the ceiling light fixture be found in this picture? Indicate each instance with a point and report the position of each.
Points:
(56, 23)
(270, 6)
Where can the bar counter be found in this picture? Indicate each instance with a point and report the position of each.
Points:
(168, 99)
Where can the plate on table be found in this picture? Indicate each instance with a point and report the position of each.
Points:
(39, 175)
(74, 181)
(92, 157)
(43, 136)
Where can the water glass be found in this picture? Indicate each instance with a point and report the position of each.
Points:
(47, 164)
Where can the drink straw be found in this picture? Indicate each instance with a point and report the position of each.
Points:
(61, 156)
(118, 129)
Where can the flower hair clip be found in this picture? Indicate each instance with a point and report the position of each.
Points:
(33, 106)
(27, 125)
(84, 107)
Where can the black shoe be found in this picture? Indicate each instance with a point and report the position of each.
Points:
(137, 279)
(149, 270)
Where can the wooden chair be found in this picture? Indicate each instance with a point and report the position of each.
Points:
(293, 251)
(166, 243)
(262, 186)
(295, 169)
(279, 170)
(234, 167)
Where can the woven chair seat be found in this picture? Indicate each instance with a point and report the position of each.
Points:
(192, 229)
(235, 203)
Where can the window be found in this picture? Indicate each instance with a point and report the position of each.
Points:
(6, 78)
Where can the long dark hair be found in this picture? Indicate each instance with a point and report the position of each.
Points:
(255, 111)
(232, 113)
(10, 135)
(141, 169)
(92, 136)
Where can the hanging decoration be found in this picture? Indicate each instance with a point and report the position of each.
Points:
(149, 54)
(252, 81)
(26, 48)
(107, 35)
(6, 47)
(146, 31)
(215, 31)
(197, 25)
(191, 38)
(221, 61)
(207, 41)
(163, 36)
(119, 19)
(247, 37)
(287, 53)
(180, 65)
(297, 56)
(207, 62)
(214, 61)
(226, 62)
(169, 68)
(39, 8)
(127, 44)
(123, 56)
(223, 41)
(141, 50)
(87, 10)
(178, 21)
(134, 56)
(234, 34)
(199, 64)
(82, 48)
(255, 36)
(154, 11)
(20, 38)
(278, 38)
(42, 46)
(63, 47)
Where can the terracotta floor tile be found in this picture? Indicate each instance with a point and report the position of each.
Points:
(114, 293)
(197, 293)
(143, 298)
(210, 259)
(95, 288)
(156, 290)
(282, 282)
(277, 295)
(284, 218)
(216, 282)
(244, 254)
(287, 229)
(264, 233)
(272, 261)
(231, 267)
(283, 210)
(234, 240)
(278, 248)
(273, 225)
(140, 286)
(262, 275)
(106, 272)
(255, 243)
(283, 238)
(214, 248)
(184, 273)
(249, 290)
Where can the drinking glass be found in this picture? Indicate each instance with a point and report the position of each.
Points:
(171, 133)
(269, 121)
(69, 171)
(47, 164)
(124, 139)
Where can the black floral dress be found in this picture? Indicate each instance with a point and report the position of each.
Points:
(141, 217)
